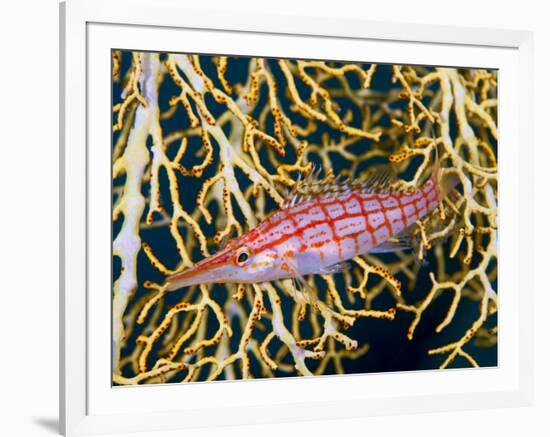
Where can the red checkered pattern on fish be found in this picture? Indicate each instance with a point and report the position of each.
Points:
(355, 221)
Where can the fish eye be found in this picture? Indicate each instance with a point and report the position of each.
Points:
(242, 256)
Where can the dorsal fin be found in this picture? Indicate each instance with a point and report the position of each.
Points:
(380, 180)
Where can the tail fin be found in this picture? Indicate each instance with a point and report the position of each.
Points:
(445, 181)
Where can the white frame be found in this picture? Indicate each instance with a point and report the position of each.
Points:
(76, 15)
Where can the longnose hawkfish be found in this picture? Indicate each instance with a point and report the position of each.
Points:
(320, 226)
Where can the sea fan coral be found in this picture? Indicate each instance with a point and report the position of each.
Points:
(205, 147)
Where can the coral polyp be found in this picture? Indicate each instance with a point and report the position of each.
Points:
(206, 147)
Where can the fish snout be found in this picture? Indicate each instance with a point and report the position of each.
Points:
(206, 271)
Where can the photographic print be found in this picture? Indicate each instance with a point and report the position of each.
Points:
(277, 217)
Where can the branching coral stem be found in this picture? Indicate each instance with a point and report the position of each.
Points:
(132, 203)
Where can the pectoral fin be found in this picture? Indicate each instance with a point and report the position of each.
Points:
(391, 246)
(402, 241)
(335, 268)
(301, 284)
